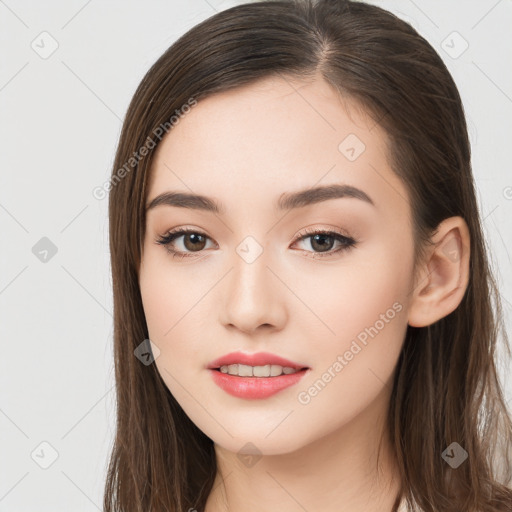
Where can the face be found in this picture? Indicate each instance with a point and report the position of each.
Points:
(320, 279)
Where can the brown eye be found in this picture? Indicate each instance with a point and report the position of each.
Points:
(194, 241)
(322, 242)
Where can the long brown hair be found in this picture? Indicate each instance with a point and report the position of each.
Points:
(446, 386)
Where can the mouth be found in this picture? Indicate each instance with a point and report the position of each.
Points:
(268, 370)
(253, 376)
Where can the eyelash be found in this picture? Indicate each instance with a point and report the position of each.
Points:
(346, 242)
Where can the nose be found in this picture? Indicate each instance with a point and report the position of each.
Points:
(254, 298)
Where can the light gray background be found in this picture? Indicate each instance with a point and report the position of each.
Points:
(60, 122)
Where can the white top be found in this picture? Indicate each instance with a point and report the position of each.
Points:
(402, 508)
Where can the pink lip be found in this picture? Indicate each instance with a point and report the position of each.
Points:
(254, 387)
(258, 359)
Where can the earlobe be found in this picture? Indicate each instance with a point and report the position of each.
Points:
(444, 276)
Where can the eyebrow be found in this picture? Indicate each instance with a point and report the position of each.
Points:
(287, 200)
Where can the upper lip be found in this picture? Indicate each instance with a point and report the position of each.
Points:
(257, 359)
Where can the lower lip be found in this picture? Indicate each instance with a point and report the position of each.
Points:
(255, 387)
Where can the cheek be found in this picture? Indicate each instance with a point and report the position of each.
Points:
(157, 300)
(167, 296)
(355, 365)
(347, 299)
(176, 314)
(359, 327)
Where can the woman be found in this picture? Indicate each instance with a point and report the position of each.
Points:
(299, 269)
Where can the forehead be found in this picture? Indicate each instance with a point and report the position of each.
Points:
(274, 136)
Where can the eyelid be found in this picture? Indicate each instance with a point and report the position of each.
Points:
(308, 231)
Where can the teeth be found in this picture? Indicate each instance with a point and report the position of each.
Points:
(269, 370)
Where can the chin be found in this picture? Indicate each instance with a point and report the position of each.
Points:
(258, 445)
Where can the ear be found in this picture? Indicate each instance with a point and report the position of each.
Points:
(443, 276)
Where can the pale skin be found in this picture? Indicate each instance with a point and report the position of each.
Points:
(245, 148)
